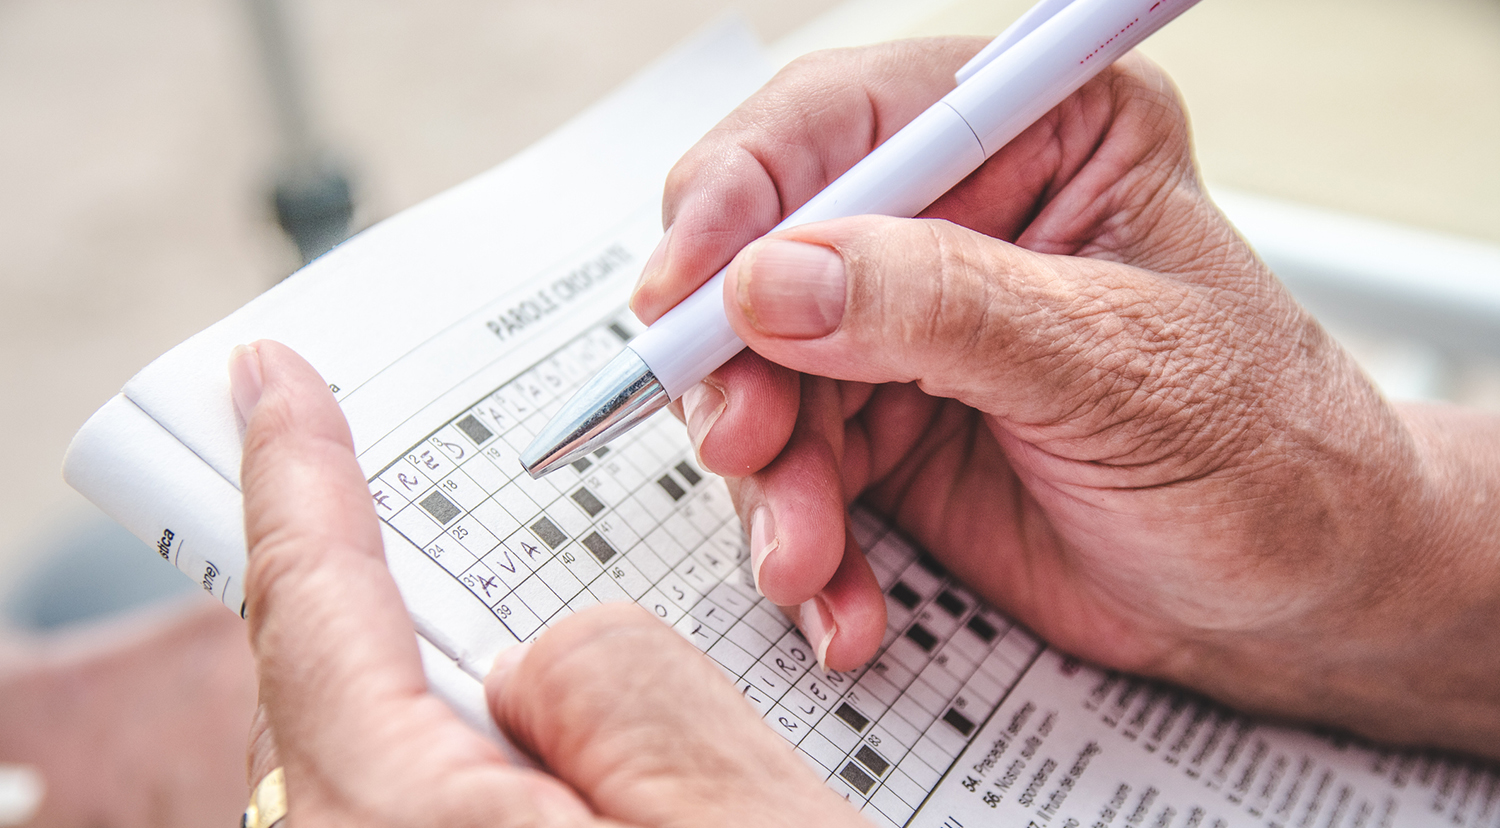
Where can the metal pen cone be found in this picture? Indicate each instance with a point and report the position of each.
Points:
(613, 402)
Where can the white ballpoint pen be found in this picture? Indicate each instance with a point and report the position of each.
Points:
(1030, 68)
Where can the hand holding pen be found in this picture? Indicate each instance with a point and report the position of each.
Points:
(1076, 385)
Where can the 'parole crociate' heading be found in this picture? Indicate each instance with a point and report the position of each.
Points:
(561, 291)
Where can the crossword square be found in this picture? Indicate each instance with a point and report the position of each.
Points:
(517, 502)
(416, 526)
(628, 577)
(857, 778)
(557, 576)
(746, 636)
(638, 518)
(929, 699)
(767, 678)
(915, 714)
(877, 686)
(714, 616)
(852, 717)
(959, 721)
(492, 516)
(982, 628)
(951, 603)
(473, 536)
(902, 785)
(768, 625)
(651, 566)
(585, 498)
(984, 688)
(688, 473)
(440, 507)
(482, 470)
(607, 590)
(601, 451)
(896, 734)
(872, 760)
(923, 638)
(934, 754)
(598, 547)
(538, 598)
(826, 753)
(659, 606)
(484, 584)
(889, 805)
(430, 462)
(548, 532)
(670, 486)
(619, 330)
(473, 429)
(940, 679)
(581, 464)
(904, 594)
(730, 655)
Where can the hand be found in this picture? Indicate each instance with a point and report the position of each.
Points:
(1076, 385)
(629, 721)
(134, 721)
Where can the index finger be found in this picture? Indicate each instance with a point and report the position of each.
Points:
(808, 125)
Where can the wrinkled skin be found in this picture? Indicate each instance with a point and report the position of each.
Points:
(1075, 384)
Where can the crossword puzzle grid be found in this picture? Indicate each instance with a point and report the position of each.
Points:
(638, 521)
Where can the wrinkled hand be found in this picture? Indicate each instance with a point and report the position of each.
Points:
(1077, 386)
(629, 721)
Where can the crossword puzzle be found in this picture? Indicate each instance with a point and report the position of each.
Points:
(638, 521)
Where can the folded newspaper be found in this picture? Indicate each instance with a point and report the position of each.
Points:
(451, 332)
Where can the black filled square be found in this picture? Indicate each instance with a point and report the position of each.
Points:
(440, 507)
(857, 778)
(688, 473)
(619, 330)
(599, 547)
(852, 717)
(585, 498)
(549, 533)
(952, 604)
(473, 429)
(960, 722)
(923, 636)
(601, 451)
(905, 595)
(581, 465)
(930, 564)
(982, 628)
(670, 486)
(872, 760)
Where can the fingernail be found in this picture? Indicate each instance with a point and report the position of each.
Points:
(656, 261)
(508, 660)
(792, 289)
(702, 404)
(244, 379)
(763, 541)
(817, 625)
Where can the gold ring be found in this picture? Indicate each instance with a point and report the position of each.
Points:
(267, 802)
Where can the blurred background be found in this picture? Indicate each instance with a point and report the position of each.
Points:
(1354, 141)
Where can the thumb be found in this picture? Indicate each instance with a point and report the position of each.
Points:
(1028, 337)
(645, 728)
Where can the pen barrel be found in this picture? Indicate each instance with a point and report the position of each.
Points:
(925, 159)
(1030, 77)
